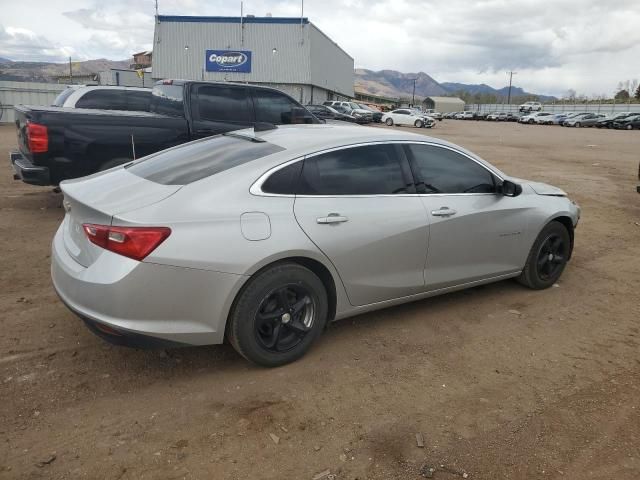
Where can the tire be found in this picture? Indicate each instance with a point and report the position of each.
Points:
(577, 125)
(629, 127)
(418, 124)
(541, 271)
(531, 122)
(114, 162)
(270, 340)
(389, 122)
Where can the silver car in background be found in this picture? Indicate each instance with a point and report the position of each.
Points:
(263, 237)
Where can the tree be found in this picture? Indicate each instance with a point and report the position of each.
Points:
(622, 95)
(637, 94)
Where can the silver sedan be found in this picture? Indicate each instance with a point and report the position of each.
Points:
(263, 237)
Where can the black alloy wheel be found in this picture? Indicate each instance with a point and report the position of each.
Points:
(548, 257)
(284, 317)
(551, 258)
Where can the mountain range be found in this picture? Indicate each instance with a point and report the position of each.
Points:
(394, 84)
(386, 83)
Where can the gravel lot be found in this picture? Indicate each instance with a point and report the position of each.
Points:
(502, 382)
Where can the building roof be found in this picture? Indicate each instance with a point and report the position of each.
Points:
(245, 19)
(449, 100)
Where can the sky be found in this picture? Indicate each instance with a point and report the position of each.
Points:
(553, 45)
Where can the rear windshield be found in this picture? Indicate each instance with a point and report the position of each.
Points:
(167, 100)
(60, 99)
(195, 161)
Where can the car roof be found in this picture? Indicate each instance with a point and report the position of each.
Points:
(309, 138)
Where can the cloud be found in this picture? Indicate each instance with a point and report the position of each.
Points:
(588, 45)
(21, 43)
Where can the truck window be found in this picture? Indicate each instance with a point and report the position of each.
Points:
(216, 103)
(167, 100)
(277, 108)
(137, 100)
(103, 99)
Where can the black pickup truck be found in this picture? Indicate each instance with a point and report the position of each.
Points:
(60, 143)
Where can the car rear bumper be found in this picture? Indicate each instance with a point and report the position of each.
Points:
(28, 172)
(144, 304)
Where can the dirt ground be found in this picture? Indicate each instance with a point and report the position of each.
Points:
(502, 382)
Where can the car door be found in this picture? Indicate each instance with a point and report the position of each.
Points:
(218, 109)
(358, 205)
(402, 117)
(474, 232)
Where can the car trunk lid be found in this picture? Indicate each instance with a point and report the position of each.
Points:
(96, 199)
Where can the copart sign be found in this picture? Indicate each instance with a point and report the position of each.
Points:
(228, 61)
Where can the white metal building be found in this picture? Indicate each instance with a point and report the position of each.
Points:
(290, 54)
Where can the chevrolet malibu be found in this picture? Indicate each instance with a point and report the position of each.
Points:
(264, 236)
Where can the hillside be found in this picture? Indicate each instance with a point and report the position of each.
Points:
(46, 72)
(394, 84)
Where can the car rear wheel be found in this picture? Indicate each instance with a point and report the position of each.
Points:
(418, 124)
(577, 125)
(629, 127)
(547, 258)
(278, 315)
(389, 121)
(532, 121)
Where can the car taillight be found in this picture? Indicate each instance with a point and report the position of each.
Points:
(37, 138)
(132, 242)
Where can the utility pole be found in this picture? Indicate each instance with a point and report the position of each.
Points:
(70, 72)
(413, 96)
(511, 74)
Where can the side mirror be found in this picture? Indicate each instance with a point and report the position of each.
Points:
(510, 189)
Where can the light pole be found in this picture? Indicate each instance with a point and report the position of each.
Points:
(413, 96)
(511, 74)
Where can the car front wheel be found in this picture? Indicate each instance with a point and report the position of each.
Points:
(418, 124)
(547, 258)
(389, 122)
(278, 315)
(577, 125)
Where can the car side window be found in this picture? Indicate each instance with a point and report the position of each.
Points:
(221, 103)
(366, 170)
(283, 181)
(277, 108)
(445, 171)
(138, 101)
(103, 100)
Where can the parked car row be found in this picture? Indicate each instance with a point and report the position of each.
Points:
(623, 120)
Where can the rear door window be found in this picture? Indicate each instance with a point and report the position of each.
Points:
(367, 170)
(168, 99)
(103, 99)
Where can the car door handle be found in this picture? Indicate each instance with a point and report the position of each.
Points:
(332, 218)
(443, 212)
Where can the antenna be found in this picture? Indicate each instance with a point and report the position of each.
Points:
(156, 8)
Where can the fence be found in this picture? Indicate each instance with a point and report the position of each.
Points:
(25, 93)
(607, 108)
